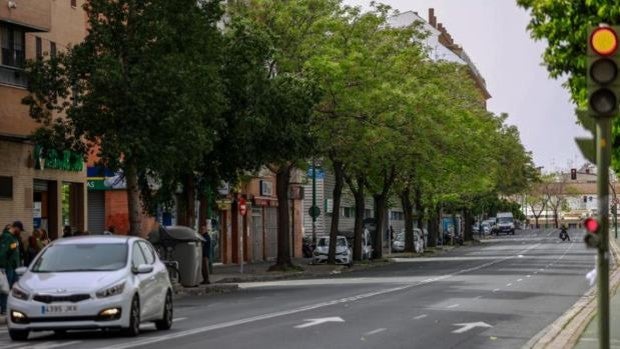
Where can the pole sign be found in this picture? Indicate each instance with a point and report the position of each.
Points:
(243, 208)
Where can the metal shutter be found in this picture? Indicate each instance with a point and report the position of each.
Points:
(96, 212)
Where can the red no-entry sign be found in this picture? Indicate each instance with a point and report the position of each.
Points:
(243, 208)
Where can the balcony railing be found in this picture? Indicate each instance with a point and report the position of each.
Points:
(13, 76)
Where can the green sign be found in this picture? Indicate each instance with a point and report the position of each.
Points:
(96, 184)
(65, 160)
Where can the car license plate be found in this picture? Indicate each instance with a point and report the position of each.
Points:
(58, 309)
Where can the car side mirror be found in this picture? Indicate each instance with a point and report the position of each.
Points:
(21, 271)
(143, 269)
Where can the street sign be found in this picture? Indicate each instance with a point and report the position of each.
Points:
(243, 208)
(314, 211)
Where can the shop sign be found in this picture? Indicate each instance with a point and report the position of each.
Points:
(223, 204)
(65, 160)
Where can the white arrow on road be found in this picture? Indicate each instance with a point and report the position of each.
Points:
(469, 325)
(314, 322)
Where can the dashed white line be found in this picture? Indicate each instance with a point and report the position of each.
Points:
(519, 280)
(508, 285)
(379, 330)
(453, 306)
(46, 345)
(495, 290)
(420, 317)
(528, 276)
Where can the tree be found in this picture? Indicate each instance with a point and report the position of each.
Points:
(143, 87)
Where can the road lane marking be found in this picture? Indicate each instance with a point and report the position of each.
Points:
(495, 290)
(320, 321)
(379, 330)
(46, 345)
(519, 280)
(203, 329)
(453, 306)
(470, 325)
(528, 276)
(179, 319)
(508, 285)
(477, 298)
(420, 317)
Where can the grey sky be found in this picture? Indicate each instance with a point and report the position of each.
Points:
(493, 32)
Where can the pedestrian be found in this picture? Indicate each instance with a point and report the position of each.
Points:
(35, 245)
(10, 257)
(66, 232)
(45, 239)
(109, 231)
(206, 254)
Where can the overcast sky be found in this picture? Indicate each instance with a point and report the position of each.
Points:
(493, 33)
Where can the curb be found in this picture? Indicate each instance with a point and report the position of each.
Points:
(205, 290)
(568, 328)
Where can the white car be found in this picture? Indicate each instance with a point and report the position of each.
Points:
(91, 282)
(343, 251)
(398, 245)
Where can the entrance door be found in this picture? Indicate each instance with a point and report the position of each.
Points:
(96, 212)
(257, 234)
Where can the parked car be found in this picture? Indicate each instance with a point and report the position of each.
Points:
(367, 245)
(91, 282)
(343, 251)
(398, 245)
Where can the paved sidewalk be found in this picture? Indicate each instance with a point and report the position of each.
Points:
(589, 338)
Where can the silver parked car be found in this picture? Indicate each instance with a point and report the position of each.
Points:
(91, 282)
(344, 254)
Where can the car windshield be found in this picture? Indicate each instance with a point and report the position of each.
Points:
(324, 242)
(81, 257)
(341, 242)
(504, 220)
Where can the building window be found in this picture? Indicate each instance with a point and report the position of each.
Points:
(39, 48)
(74, 3)
(12, 46)
(6, 187)
(52, 49)
(396, 216)
(367, 213)
(348, 212)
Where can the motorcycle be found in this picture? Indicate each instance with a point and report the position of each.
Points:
(307, 248)
(564, 235)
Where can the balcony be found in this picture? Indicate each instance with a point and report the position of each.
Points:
(33, 15)
(12, 76)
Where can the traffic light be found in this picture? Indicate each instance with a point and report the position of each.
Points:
(592, 226)
(573, 173)
(602, 78)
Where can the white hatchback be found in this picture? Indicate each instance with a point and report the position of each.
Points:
(91, 282)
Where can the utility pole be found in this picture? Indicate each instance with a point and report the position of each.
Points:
(314, 216)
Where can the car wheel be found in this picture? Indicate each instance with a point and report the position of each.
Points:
(134, 319)
(166, 321)
(19, 335)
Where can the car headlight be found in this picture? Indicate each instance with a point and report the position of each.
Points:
(111, 290)
(19, 293)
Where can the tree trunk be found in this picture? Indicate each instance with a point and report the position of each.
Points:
(405, 199)
(380, 206)
(419, 208)
(556, 219)
(536, 220)
(133, 199)
(283, 260)
(433, 226)
(469, 222)
(337, 197)
(360, 210)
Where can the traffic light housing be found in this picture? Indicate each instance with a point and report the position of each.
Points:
(592, 227)
(573, 174)
(603, 71)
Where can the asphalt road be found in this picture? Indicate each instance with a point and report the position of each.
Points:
(495, 295)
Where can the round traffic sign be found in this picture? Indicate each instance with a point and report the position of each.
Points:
(243, 208)
(314, 211)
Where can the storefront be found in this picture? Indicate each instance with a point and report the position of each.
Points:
(42, 188)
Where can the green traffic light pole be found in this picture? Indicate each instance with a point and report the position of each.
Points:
(603, 160)
(313, 201)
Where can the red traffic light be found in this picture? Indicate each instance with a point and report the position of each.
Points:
(604, 41)
(591, 225)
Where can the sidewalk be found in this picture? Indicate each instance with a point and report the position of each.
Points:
(589, 338)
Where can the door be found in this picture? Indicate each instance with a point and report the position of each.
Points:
(96, 212)
(160, 276)
(257, 234)
(146, 284)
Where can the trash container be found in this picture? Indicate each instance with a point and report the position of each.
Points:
(187, 250)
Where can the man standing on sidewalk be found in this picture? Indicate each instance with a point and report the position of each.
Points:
(206, 254)
(9, 257)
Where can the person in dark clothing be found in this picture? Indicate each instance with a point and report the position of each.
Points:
(206, 254)
(10, 258)
(66, 232)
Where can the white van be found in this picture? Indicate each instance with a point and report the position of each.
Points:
(504, 223)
